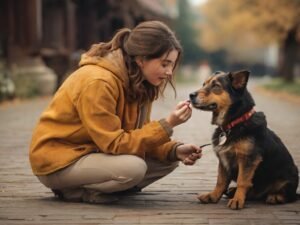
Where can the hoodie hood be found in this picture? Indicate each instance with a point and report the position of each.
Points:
(113, 62)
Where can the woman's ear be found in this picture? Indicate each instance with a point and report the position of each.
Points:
(139, 61)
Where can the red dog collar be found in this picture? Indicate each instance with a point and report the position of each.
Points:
(241, 119)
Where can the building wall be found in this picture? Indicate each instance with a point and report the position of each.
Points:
(53, 33)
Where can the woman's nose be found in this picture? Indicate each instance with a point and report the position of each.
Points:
(169, 72)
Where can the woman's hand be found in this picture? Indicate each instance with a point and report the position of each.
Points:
(181, 114)
(188, 153)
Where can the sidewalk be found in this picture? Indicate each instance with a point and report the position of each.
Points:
(172, 200)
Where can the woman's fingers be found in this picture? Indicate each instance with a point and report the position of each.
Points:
(184, 113)
(184, 103)
(192, 158)
(195, 156)
(181, 104)
(188, 161)
(181, 114)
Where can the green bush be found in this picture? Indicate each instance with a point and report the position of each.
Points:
(283, 86)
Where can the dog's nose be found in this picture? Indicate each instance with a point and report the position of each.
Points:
(193, 95)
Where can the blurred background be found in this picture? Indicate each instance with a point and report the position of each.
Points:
(41, 40)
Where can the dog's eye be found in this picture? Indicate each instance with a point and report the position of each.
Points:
(216, 85)
(216, 88)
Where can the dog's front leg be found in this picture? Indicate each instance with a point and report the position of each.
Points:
(223, 181)
(244, 181)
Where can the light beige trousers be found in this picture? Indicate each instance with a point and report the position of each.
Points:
(108, 173)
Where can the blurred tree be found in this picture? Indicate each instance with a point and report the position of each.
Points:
(186, 32)
(248, 23)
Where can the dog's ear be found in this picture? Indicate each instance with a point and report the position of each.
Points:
(239, 79)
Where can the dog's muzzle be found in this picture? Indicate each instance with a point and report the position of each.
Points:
(202, 106)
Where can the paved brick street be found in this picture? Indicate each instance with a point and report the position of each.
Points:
(171, 200)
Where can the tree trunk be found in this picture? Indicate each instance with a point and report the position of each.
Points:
(289, 56)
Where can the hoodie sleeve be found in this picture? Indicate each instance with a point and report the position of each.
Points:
(96, 107)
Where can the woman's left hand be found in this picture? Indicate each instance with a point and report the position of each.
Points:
(188, 154)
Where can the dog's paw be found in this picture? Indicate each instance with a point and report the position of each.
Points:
(208, 198)
(236, 203)
(275, 199)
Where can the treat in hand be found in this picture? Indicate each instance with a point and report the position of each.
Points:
(188, 103)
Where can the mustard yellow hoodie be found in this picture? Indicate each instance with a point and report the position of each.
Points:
(90, 113)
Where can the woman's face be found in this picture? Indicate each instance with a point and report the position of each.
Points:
(158, 70)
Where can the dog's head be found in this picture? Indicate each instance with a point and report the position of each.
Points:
(220, 93)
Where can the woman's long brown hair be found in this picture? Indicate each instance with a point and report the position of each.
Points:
(150, 40)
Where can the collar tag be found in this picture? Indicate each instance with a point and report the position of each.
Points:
(222, 138)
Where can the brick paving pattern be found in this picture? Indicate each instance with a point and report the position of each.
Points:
(171, 200)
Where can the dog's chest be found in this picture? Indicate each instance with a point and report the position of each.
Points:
(227, 157)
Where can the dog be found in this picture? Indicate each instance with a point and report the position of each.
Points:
(249, 152)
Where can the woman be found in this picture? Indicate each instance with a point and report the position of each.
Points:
(96, 138)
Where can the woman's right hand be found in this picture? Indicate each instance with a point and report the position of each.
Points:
(181, 114)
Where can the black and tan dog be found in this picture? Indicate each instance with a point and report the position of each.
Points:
(248, 152)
